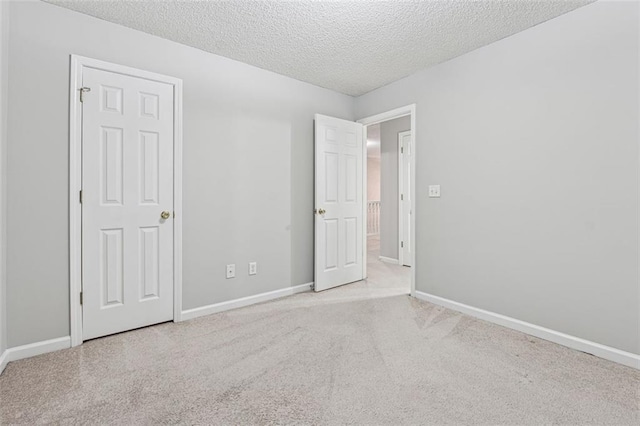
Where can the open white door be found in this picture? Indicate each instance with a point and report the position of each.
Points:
(405, 151)
(339, 202)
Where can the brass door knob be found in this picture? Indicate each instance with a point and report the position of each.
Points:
(165, 214)
(322, 211)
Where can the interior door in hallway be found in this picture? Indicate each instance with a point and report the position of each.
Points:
(405, 151)
(339, 202)
(127, 202)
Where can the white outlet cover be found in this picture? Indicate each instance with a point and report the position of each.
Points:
(253, 268)
(231, 270)
(434, 191)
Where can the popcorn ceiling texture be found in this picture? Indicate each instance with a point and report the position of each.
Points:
(351, 47)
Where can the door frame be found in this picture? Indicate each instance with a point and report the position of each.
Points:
(403, 111)
(400, 202)
(77, 64)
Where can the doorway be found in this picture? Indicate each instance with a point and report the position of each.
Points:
(342, 211)
(390, 159)
(125, 224)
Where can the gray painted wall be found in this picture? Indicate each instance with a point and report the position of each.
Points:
(534, 140)
(373, 178)
(389, 184)
(248, 166)
(4, 56)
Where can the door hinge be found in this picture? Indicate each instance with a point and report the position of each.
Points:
(401, 197)
(81, 196)
(401, 150)
(402, 244)
(83, 90)
(81, 299)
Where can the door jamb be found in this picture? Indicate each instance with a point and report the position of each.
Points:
(379, 118)
(78, 63)
(401, 201)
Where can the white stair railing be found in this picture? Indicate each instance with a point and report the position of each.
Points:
(373, 217)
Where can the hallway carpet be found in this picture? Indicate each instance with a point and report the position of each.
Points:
(363, 354)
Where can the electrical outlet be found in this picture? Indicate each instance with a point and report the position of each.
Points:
(434, 191)
(253, 268)
(231, 270)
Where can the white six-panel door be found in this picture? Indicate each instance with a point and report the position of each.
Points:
(127, 184)
(339, 202)
(405, 151)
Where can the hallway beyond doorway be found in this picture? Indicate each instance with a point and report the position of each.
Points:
(382, 274)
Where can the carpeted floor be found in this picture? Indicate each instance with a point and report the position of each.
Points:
(361, 354)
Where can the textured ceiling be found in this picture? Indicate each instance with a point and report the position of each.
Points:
(352, 47)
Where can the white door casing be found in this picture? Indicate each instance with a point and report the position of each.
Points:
(405, 205)
(125, 154)
(339, 202)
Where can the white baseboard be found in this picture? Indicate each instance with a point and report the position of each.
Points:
(612, 354)
(39, 348)
(33, 349)
(389, 260)
(3, 361)
(244, 301)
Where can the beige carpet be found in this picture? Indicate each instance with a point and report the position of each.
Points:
(362, 354)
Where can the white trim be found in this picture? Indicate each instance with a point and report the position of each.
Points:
(244, 301)
(389, 260)
(75, 183)
(401, 191)
(4, 360)
(386, 116)
(414, 183)
(4, 75)
(34, 349)
(389, 115)
(365, 202)
(75, 208)
(638, 236)
(612, 354)
(177, 202)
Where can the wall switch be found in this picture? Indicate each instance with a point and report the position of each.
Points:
(231, 270)
(253, 268)
(434, 191)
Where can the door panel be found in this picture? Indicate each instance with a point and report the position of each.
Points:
(149, 164)
(111, 259)
(149, 262)
(111, 176)
(339, 202)
(127, 181)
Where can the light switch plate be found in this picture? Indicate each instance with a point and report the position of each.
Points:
(434, 191)
(231, 270)
(253, 268)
